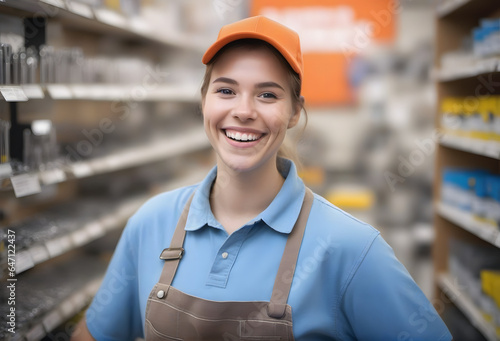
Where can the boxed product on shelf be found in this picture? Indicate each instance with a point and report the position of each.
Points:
(472, 117)
(486, 37)
(473, 191)
(467, 263)
(458, 187)
(490, 282)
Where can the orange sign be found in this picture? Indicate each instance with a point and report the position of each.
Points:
(331, 33)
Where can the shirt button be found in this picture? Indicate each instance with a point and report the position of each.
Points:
(224, 255)
(160, 294)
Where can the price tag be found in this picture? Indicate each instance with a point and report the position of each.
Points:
(13, 94)
(110, 18)
(5, 170)
(33, 91)
(36, 333)
(23, 261)
(79, 300)
(81, 169)
(25, 184)
(56, 3)
(58, 246)
(497, 241)
(81, 9)
(59, 91)
(52, 320)
(67, 309)
(80, 237)
(110, 222)
(94, 230)
(140, 26)
(39, 254)
(52, 176)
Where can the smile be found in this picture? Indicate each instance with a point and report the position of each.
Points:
(242, 137)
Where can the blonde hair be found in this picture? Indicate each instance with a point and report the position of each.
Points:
(288, 148)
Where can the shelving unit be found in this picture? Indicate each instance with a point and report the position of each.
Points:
(454, 21)
(71, 216)
(98, 92)
(190, 141)
(82, 16)
(465, 304)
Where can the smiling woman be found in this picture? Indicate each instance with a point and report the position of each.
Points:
(231, 258)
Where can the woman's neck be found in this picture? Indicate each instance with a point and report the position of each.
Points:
(237, 197)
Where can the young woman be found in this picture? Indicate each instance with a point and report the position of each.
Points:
(250, 253)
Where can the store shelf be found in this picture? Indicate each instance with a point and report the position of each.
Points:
(465, 304)
(101, 92)
(159, 150)
(80, 15)
(485, 148)
(156, 151)
(47, 298)
(466, 221)
(115, 218)
(468, 8)
(477, 68)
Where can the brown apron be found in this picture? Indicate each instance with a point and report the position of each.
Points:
(174, 315)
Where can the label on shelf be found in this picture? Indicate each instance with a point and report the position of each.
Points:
(79, 300)
(56, 3)
(110, 222)
(52, 176)
(81, 9)
(25, 184)
(5, 170)
(140, 26)
(23, 261)
(80, 237)
(94, 230)
(33, 91)
(13, 94)
(111, 18)
(52, 320)
(81, 169)
(58, 246)
(67, 308)
(59, 91)
(39, 253)
(36, 333)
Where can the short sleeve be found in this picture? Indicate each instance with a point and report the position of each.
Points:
(114, 313)
(382, 302)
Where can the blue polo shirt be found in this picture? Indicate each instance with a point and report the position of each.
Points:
(348, 285)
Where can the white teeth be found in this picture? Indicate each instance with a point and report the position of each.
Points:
(241, 137)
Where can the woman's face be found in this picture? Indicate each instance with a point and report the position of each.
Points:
(248, 108)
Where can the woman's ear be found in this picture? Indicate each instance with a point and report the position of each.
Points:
(296, 113)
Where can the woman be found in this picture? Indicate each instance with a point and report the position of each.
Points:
(252, 244)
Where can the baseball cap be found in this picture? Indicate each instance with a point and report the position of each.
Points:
(285, 40)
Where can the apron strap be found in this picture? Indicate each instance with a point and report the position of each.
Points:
(173, 254)
(283, 282)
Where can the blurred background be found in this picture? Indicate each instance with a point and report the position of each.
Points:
(100, 110)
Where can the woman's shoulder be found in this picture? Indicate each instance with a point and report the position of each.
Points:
(328, 220)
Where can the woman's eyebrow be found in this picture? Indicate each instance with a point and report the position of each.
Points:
(269, 85)
(258, 86)
(225, 80)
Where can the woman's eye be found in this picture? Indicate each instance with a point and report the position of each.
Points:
(268, 95)
(225, 91)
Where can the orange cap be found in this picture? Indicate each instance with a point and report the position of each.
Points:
(285, 40)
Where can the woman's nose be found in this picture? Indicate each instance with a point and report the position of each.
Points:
(245, 109)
